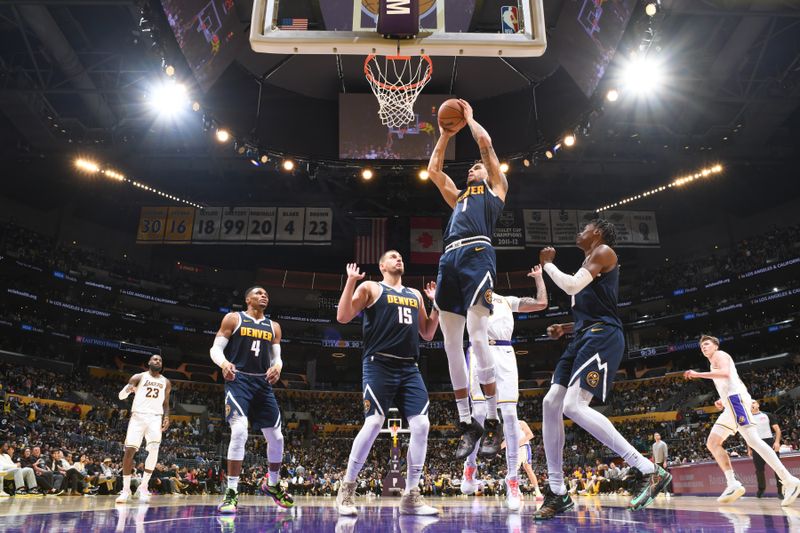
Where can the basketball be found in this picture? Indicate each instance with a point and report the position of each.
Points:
(451, 115)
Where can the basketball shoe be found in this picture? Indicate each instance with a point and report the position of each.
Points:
(647, 486)
(345, 502)
(513, 496)
(554, 504)
(492, 437)
(468, 484)
(732, 492)
(471, 432)
(413, 503)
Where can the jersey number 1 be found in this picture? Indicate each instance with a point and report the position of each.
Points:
(256, 347)
(404, 315)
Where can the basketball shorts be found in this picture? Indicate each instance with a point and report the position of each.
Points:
(388, 384)
(466, 277)
(525, 455)
(143, 426)
(592, 357)
(252, 397)
(736, 414)
(506, 374)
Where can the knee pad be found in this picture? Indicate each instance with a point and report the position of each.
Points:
(152, 455)
(485, 375)
(238, 438)
(419, 426)
(274, 438)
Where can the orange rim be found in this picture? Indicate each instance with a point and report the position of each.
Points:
(407, 87)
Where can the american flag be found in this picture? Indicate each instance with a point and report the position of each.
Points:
(293, 24)
(370, 239)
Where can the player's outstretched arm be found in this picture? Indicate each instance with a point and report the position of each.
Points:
(276, 363)
(602, 259)
(165, 418)
(217, 351)
(442, 181)
(354, 300)
(497, 179)
(427, 323)
(531, 305)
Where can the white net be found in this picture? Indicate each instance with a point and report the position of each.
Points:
(396, 82)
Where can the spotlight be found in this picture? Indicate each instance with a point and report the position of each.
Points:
(366, 174)
(642, 75)
(255, 163)
(569, 140)
(114, 175)
(169, 98)
(651, 9)
(239, 147)
(223, 136)
(503, 167)
(263, 159)
(423, 174)
(88, 166)
(169, 71)
(196, 106)
(549, 154)
(612, 95)
(526, 162)
(288, 165)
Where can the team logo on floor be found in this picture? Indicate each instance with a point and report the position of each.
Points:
(366, 405)
(593, 378)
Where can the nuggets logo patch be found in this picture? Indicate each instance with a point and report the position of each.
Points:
(488, 296)
(593, 378)
(227, 410)
(367, 405)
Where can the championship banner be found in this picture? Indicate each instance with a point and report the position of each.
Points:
(261, 224)
(179, 225)
(152, 222)
(564, 224)
(537, 226)
(426, 240)
(508, 234)
(318, 225)
(644, 230)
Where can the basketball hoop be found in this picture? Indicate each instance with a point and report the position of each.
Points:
(393, 429)
(396, 81)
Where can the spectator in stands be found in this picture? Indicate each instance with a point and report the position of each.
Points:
(24, 478)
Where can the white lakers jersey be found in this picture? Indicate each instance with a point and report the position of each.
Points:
(149, 398)
(501, 322)
(730, 385)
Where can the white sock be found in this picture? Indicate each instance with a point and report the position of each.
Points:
(274, 476)
(145, 481)
(419, 425)
(576, 407)
(464, 414)
(553, 437)
(126, 483)
(479, 413)
(233, 483)
(361, 446)
(491, 407)
(730, 478)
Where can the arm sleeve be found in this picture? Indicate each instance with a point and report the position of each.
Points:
(572, 285)
(513, 301)
(275, 355)
(217, 350)
(124, 392)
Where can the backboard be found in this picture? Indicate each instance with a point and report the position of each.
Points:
(478, 28)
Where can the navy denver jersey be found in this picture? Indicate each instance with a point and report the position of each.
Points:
(391, 325)
(597, 302)
(476, 213)
(249, 345)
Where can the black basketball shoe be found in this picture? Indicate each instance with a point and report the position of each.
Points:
(470, 435)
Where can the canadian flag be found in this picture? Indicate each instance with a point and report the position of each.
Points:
(426, 240)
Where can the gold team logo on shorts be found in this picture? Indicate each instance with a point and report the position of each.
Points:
(227, 410)
(593, 378)
(488, 296)
(741, 420)
(367, 405)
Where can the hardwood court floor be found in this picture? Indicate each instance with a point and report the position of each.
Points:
(197, 514)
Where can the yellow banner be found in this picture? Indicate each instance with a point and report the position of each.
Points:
(58, 403)
(179, 225)
(152, 223)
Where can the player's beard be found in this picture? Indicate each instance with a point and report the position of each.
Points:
(154, 368)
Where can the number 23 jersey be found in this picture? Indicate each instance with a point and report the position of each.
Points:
(149, 397)
(249, 346)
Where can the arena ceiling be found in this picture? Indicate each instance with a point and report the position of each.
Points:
(72, 75)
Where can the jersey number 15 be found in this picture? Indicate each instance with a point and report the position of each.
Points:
(404, 315)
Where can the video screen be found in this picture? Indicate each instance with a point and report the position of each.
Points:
(588, 33)
(209, 34)
(362, 136)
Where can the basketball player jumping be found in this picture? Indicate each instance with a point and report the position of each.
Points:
(467, 272)
(247, 348)
(736, 417)
(501, 329)
(587, 369)
(149, 419)
(394, 319)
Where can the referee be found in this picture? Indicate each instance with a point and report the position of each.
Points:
(770, 432)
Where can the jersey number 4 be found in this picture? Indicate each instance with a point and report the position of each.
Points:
(404, 315)
(256, 348)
